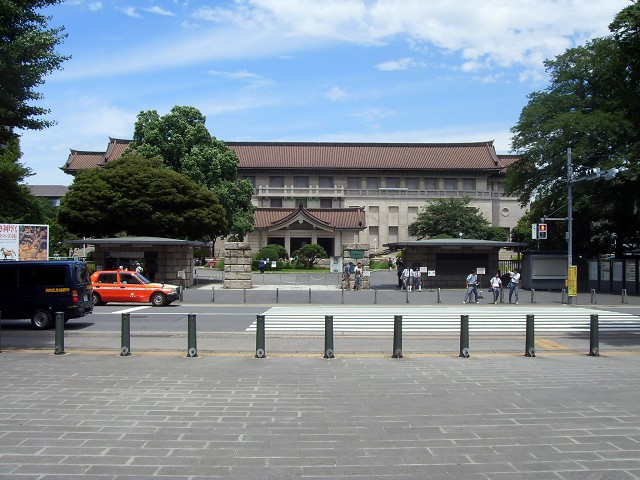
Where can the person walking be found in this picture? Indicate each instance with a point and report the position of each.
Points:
(400, 268)
(346, 276)
(390, 263)
(514, 284)
(261, 265)
(417, 280)
(472, 287)
(496, 285)
(357, 276)
(407, 278)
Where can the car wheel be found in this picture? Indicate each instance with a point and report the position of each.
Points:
(158, 299)
(97, 300)
(42, 319)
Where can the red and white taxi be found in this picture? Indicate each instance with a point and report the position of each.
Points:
(129, 286)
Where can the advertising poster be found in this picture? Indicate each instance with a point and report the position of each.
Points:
(24, 242)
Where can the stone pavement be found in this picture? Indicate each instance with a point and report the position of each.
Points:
(156, 416)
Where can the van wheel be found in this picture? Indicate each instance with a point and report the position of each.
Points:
(42, 319)
(158, 299)
(97, 300)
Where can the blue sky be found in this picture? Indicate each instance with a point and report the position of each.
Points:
(304, 70)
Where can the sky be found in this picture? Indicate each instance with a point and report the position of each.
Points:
(433, 71)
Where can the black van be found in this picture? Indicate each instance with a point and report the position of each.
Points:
(37, 290)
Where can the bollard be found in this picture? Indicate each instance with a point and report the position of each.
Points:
(328, 337)
(464, 336)
(309, 295)
(375, 296)
(213, 293)
(593, 296)
(502, 295)
(342, 289)
(277, 295)
(192, 349)
(0, 333)
(181, 292)
(125, 335)
(59, 350)
(533, 295)
(397, 336)
(439, 296)
(594, 336)
(260, 350)
(564, 296)
(530, 350)
(624, 295)
(406, 289)
(244, 295)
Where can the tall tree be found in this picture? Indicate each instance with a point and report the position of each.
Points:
(139, 196)
(450, 217)
(592, 106)
(27, 55)
(17, 204)
(184, 144)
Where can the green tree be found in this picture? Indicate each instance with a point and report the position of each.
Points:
(27, 55)
(139, 196)
(592, 106)
(450, 217)
(17, 204)
(309, 254)
(182, 141)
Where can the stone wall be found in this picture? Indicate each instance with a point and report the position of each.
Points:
(347, 248)
(237, 265)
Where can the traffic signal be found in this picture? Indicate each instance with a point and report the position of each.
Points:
(542, 231)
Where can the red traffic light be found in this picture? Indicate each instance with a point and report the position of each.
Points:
(542, 231)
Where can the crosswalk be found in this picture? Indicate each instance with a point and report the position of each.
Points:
(446, 319)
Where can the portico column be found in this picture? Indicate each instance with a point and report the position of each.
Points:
(287, 240)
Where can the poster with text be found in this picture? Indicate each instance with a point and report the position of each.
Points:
(24, 242)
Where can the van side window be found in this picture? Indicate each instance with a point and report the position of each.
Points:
(41, 276)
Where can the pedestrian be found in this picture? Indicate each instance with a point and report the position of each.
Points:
(346, 276)
(400, 268)
(495, 285)
(514, 284)
(472, 287)
(390, 263)
(261, 265)
(357, 277)
(407, 278)
(417, 280)
(139, 268)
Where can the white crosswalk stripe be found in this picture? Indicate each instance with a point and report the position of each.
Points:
(446, 319)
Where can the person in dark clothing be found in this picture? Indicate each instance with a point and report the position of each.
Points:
(400, 268)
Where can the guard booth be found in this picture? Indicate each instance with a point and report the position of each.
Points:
(448, 261)
(166, 260)
(615, 274)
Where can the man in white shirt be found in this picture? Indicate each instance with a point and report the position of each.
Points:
(514, 284)
(472, 287)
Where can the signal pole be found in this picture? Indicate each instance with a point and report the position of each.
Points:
(569, 219)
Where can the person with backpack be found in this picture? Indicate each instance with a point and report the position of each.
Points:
(472, 287)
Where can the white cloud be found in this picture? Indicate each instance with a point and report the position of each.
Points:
(159, 11)
(252, 79)
(95, 6)
(336, 94)
(131, 12)
(400, 64)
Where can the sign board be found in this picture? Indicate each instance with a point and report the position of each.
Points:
(424, 269)
(534, 231)
(357, 254)
(367, 273)
(480, 271)
(431, 273)
(572, 281)
(335, 264)
(24, 242)
(182, 274)
(273, 264)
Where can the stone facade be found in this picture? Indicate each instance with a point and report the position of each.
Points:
(237, 265)
(348, 256)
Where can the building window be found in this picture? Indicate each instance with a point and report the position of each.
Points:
(395, 210)
(431, 183)
(413, 210)
(393, 182)
(325, 182)
(469, 183)
(301, 182)
(374, 209)
(353, 182)
(413, 183)
(393, 234)
(301, 201)
(326, 203)
(276, 182)
(373, 183)
(373, 231)
(276, 203)
(450, 183)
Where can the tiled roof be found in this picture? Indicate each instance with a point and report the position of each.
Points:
(333, 156)
(330, 218)
(366, 156)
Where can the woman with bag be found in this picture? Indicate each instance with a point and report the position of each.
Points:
(495, 285)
